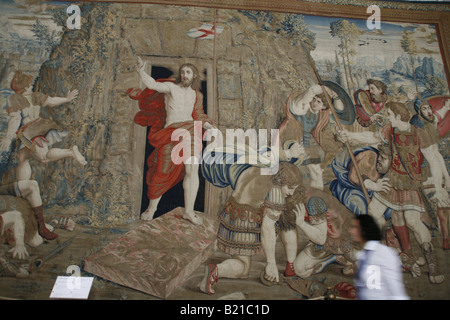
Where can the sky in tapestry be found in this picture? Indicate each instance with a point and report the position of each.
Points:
(378, 53)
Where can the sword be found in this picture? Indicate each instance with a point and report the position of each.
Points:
(40, 261)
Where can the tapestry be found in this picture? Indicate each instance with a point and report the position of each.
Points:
(265, 130)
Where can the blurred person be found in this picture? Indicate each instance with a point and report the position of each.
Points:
(379, 275)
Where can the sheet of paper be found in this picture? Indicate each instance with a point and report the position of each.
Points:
(72, 287)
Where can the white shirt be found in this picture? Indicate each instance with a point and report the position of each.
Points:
(380, 274)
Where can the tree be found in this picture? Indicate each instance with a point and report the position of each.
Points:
(348, 33)
(409, 45)
(295, 26)
(43, 33)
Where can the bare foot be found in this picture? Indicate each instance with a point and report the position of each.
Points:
(147, 215)
(193, 217)
(78, 156)
(436, 279)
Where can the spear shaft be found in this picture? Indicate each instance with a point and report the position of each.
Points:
(347, 144)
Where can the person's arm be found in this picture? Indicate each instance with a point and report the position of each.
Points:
(315, 233)
(57, 101)
(381, 185)
(393, 277)
(13, 126)
(334, 97)
(366, 137)
(300, 105)
(148, 81)
(438, 171)
(268, 239)
(14, 220)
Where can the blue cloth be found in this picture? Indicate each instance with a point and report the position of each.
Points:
(223, 168)
(223, 174)
(347, 193)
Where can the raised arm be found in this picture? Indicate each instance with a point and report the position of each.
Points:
(315, 233)
(300, 105)
(148, 81)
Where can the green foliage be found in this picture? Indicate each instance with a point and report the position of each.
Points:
(96, 34)
(435, 86)
(43, 33)
(408, 43)
(345, 30)
(292, 25)
(295, 26)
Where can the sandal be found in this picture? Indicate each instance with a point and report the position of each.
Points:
(289, 272)
(62, 223)
(212, 278)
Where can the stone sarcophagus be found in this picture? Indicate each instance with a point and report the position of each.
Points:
(157, 256)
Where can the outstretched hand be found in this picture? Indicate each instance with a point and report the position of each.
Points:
(300, 213)
(5, 143)
(72, 95)
(140, 65)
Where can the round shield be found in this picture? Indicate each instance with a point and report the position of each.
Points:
(348, 115)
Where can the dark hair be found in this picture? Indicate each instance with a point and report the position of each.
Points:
(369, 227)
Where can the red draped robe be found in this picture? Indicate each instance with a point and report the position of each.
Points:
(162, 172)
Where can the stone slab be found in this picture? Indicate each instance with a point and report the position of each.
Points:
(158, 255)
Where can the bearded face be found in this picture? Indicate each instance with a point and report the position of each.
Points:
(426, 112)
(383, 163)
(186, 76)
(375, 93)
